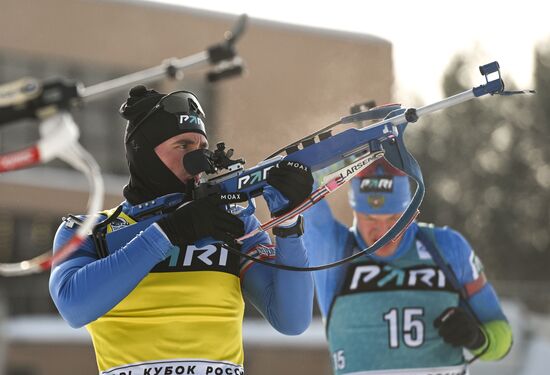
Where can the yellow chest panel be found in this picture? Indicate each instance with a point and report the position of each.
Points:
(179, 310)
(173, 315)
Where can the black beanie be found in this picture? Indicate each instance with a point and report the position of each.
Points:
(146, 129)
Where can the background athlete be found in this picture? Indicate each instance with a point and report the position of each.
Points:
(397, 311)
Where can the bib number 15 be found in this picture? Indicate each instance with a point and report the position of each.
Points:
(412, 327)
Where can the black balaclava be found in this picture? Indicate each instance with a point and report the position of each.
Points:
(149, 177)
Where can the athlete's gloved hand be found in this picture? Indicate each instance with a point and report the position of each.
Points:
(459, 328)
(295, 183)
(202, 218)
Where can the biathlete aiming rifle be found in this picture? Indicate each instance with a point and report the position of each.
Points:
(320, 151)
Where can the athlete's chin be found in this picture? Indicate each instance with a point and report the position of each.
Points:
(188, 180)
(192, 179)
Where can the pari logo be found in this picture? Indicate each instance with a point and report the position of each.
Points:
(378, 184)
(253, 178)
(189, 120)
(377, 277)
(209, 255)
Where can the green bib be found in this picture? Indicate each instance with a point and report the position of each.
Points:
(382, 318)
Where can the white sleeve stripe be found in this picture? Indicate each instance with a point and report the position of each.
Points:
(475, 271)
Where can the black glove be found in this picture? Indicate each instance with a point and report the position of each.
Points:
(458, 328)
(293, 180)
(202, 218)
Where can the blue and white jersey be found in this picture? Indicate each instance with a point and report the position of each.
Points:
(153, 307)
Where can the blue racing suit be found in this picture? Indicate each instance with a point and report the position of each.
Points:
(152, 307)
(379, 311)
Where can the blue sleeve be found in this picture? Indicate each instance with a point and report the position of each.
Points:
(325, 240)
(468, 269)
(284, 298)
(84, 287)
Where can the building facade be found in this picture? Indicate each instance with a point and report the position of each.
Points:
(297, 80)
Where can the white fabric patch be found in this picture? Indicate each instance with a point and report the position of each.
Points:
(177, 366)
(422, 251)
(477, 266)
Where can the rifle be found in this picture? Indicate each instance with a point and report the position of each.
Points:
(320, 151)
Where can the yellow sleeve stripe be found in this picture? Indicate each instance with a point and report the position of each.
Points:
(498, 343)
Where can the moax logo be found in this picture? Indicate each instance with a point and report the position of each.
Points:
(231, 197)
(253, 178)
(295, 164)
(189, 119)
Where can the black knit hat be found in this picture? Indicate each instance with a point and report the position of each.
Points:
(150, 124)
